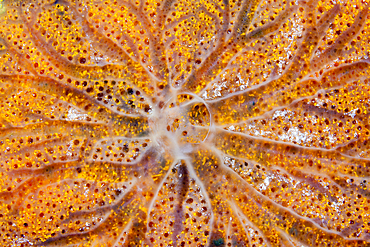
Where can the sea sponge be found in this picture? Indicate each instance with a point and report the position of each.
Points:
(184, 123)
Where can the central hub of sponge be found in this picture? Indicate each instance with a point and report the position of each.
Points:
(184, 119)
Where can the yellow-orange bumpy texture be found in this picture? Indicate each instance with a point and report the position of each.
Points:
(184, 123)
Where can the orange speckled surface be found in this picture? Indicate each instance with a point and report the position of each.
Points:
(184, 123)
